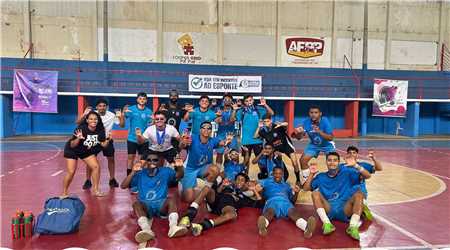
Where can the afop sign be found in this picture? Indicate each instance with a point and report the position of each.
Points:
(304, 47)
(230, 84)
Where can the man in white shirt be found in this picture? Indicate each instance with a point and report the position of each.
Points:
(108, 119)
(160, 137)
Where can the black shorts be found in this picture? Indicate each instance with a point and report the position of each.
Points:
(169, 154)
(72, 154)
(134, 147)
(285, 149)
(109, 150)
(256, 148)
(221, 201)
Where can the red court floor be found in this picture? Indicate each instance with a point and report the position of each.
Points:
(32, 171)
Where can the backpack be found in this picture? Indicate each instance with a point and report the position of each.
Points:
(60, 216)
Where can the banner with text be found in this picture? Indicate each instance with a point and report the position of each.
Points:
(229, 84)
(35, 91)
(389, 98)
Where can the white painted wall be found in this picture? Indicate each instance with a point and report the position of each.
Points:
(231, 32)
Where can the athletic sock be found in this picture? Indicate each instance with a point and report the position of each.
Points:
(297, 176)
(207, 224)
(301, 223)
(191, 213)
(354, 220)
(173, 219)
(323, 215)
(305, 174)
(144, 223)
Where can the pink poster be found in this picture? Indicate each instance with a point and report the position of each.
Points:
(389, 98)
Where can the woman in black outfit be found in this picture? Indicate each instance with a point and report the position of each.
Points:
(87, 141)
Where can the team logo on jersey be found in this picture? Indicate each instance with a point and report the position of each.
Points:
(150, 195)
(203, 160)
(172, 121)
(317, 140)
(91, 141)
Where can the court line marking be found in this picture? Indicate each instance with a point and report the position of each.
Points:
(403, 231)
(442, 186)
(57, 173)
(42, 161)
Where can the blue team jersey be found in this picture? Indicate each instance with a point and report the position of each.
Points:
(316, 139)
(367, 166)
(231, 169)
(198, 117)
(226, 126)
(274, 189)
(269, 163)
(199, 154)
(340, 187)
(139, 118)
(249, 118)
(155, 188)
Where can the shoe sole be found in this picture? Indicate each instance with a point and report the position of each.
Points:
(181, 232)
(310, 227)
(143, 236)
(262, 230)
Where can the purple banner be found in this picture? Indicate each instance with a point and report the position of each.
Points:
(35, 91)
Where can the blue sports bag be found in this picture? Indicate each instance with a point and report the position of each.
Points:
(61, 216)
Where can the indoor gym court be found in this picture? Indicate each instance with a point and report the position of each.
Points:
(409, 198)
(329, 53)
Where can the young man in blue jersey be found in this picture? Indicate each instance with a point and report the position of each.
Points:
(320, 132)
(200, 114)
(226, 118)
(152, 182)
(267, 160)
(249, 116)
(337, 193)
(280, 199)
(371, 168)
(140, 117)
(198, 163)
(232, 165)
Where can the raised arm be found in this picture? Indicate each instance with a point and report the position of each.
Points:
(126, 182)
(263, 103)
(122, 116)
(351, 162)
(376, 164)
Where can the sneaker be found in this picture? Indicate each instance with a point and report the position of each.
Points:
(367, 213)
(134, 190)
(310, 227)
(87, 184)
(113, 183)
(353, 232)
(185, 222)
(177, 231)
(262, 229)
(196, 229)
(144, 236)
(328, 228)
